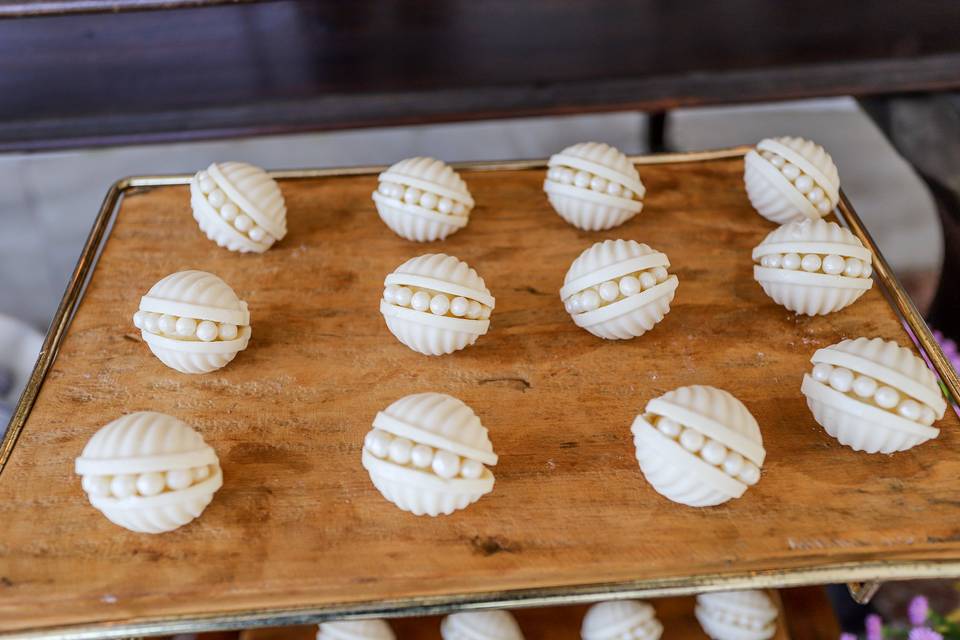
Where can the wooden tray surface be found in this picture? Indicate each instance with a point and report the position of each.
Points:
(542, 623)
(298, 527)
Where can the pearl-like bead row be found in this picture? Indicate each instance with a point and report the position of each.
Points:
(804, 183)
(145, 484)
(611, 291)
(408, 453)
(587, 180)
(866, 389)
(710, 451)
(229, 211)
(738, 619)
(439, 304)
(184, 328)
(424, 199)
(832, 264)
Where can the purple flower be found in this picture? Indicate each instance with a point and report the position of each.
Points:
(874, 627)
(918, 610)
(924, 633)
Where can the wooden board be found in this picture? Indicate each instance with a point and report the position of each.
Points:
(298, 528)
(542, 623)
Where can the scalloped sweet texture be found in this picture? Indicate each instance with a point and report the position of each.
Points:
(374, 629)
(698, 446)
(838, 275)
(238, 206)
(619, 619)
(465, 304)
(426, 454)
(737, 615)
(149, 472)
(423, 199)
(776, 193)
(193, 322)
(606, 199)
(481, 625)
(618, 289)
(874, 395)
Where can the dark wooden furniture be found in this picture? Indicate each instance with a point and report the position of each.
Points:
(131, 76)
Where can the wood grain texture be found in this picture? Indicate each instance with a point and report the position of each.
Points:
(298, 523)
(543, 623)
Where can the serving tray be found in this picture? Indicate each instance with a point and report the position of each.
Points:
(298, 534)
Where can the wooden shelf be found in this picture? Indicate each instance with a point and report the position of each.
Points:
(298, 531)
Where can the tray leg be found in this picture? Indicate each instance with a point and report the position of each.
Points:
(862, 592)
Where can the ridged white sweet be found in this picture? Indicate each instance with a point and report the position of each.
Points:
(685, 477)
(147, 442)
(737, 615)
(253, 192)
(631, 316)
(811, 293)
(862, 425)
(444, 423)
(375, 629)
(621, 619)
(592, 210)
(201, 296)
(774, 196)
(424, 331)
(412, 221)
(480, 625)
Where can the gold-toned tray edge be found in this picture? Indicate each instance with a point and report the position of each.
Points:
(903, 305)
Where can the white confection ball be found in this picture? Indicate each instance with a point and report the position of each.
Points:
(474, 310)
(629, 285)
(867, 270)
(853, 268)
(402, 296)
(565, 176)
(816, 195)
(485, 312)
(151, 322)
(886, 397)
(257, 234)
(421, 456)
(647, 280)
(691, 440)
(834, 264)
(445, 205)
(598, 184)
(777, 161)
(439, 304)
(242, 223)
(207, 331)
(790, 171)
(412, 195)
(216, 198)
(614, 189)
(803, 183)
(207, 185)
(668, 427)
(459, 209)
(581, 179)
(910, 409)
(389, 293)
(775, 260)
(400, 451)
(150, 484)
(927, 416)
(841, 379)
(864, 386)
(824, 206)
(609, 291)
(201, 473)
(446, 464)
(791, 261)
(589, 300)
(138, 319)
(178, 479)
(471, 469)
(229, 211)
(750, 474)
(428, 200)
(660, 273)
(123, 486)
(186, 327)
(733, 463)
(810, 262)
(713, 452)
(377, 443)
(821, 372)
(459, 306)
(228, 331)
(167, 324)
(420, 301)
(96, 485)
